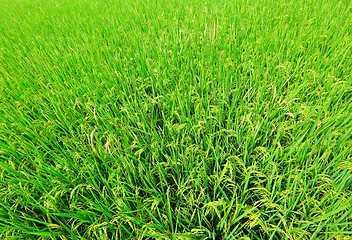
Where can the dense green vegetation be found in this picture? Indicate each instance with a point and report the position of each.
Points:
(178, 119)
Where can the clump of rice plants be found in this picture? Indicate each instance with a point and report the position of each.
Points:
(181, 119)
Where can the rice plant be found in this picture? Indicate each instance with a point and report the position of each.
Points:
(175, 119)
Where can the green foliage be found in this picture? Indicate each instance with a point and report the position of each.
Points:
(175, 119)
